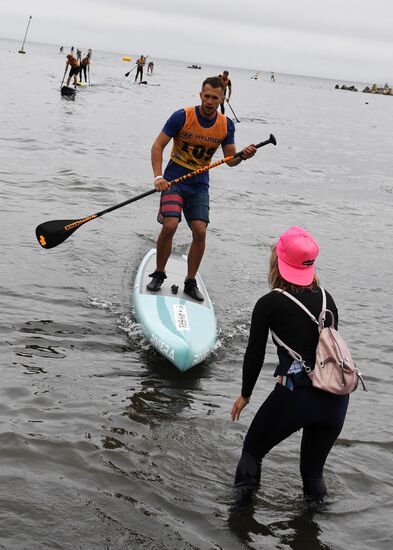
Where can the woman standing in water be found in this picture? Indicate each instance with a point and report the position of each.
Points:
(294, 403)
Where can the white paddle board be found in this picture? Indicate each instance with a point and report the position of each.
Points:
(180, 328)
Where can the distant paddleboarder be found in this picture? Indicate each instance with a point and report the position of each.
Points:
(72, 62)
(84, 65)
(150, 67)
(197, 132)
(227, 88)
(140, 63)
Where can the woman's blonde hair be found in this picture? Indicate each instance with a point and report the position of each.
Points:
(276, 281)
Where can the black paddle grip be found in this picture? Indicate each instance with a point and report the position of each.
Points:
(271, 139)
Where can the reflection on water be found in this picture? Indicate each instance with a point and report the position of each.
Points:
(299, 532)
(153, 406)
(42, 351)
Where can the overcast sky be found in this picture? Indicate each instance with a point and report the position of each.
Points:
(340, 39)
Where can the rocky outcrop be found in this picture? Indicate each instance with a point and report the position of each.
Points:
(386, 90)
(374, 89)
(344, 87)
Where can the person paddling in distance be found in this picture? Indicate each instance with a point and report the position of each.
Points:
(294, 403)
(84, 64)
(227, 88)
(140, 63)
(197, 132)
(72, 62)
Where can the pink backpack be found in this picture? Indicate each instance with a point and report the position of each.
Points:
(334, 370)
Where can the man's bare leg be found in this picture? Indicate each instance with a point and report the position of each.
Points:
(197, 247)
(164, 242)
(195, 256)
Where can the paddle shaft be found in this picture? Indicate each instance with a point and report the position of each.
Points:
(52, 233)
(28, 24)
(237, 120)
(129, 72)
(65, 70)
(185, 177)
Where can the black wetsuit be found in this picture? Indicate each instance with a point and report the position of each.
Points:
(139, 71)
(320, 414)
(83, 71)
(83, 68)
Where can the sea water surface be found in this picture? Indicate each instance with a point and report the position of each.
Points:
(103, 443)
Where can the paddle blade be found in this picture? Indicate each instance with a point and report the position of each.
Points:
(52, 233)
(67, 91)
(272, 139)
(127, 73)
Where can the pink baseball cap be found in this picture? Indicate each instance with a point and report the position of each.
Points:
(297, 251)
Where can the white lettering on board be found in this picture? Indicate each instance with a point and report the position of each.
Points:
(199, 357)
(162, 347)
(181, 317)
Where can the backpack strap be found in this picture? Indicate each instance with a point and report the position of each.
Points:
(294, 354)
(320, 321)
(313, 318)
(322, 318)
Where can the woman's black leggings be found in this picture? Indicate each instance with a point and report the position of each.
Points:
(320, 414)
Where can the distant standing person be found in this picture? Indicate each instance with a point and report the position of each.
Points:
(61, 49)
(72, 49)
(150, 67)
(294, 403)
(79, 54)
(72, 62)
(272, 77)
(140, 63)
(84, 65)
(197, 132)
(227, 89)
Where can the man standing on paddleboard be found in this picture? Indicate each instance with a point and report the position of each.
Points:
(140, 63)
(74, 70)
(227, 87)
(197, 133)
